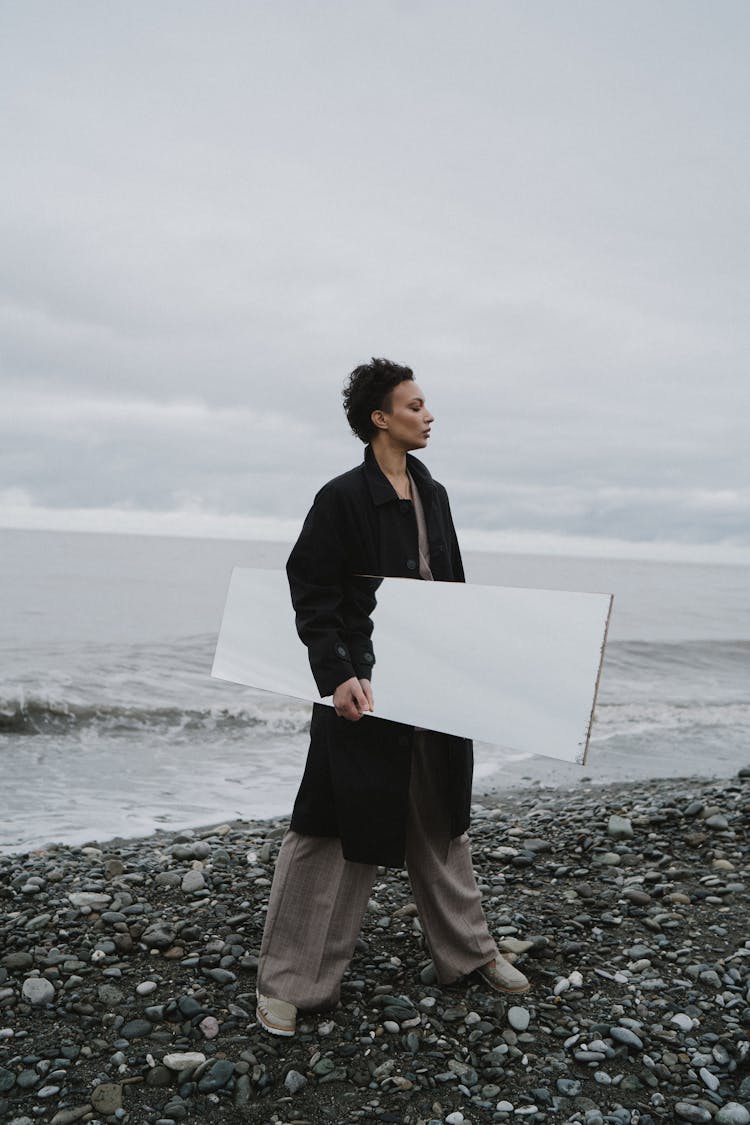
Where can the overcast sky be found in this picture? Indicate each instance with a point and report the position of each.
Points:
(211, 212)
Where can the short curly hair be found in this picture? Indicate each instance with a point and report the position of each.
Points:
(369, 388)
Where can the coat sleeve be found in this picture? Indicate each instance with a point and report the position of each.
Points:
(332, 608)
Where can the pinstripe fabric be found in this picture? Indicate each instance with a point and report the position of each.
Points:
(318, 900)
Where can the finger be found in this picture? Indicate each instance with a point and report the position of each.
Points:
(367, 689)
(359, 699)
(352, 712)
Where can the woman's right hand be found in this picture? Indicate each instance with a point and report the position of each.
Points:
(352, 698)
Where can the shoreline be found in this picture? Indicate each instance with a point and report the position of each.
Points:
(493, 784)
(624, 903)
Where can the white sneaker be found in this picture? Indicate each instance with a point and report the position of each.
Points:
(276, 1016)
(503, 977)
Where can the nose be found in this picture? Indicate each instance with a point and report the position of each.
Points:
(429, 417)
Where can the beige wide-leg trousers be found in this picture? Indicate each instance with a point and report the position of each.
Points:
(318, 900)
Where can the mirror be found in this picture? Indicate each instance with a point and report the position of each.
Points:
(505, 665)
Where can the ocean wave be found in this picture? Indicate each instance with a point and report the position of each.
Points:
(34, 716)
(613, 720)
(672, 655)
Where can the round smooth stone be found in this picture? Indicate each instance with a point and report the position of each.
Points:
(38, 990)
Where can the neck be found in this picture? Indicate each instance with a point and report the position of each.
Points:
(392, 461)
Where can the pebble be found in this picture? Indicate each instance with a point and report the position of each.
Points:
(732, 1113)
(626, 1036)
(519, 1018)
(568, 1087)
(639, 963)
(710, 1080)
(294, 1081)
(107, 1098)
(183, 1060)
(209, 1025)
(619, 827)
(693, 1113)
(38, 990)
(91, 899)
(193, 881)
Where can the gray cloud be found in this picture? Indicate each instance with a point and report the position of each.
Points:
(210, 214)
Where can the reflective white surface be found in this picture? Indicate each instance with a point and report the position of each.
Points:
(505, 665)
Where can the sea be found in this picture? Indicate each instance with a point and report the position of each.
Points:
(110, 724)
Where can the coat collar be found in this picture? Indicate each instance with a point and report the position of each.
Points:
(381, 489)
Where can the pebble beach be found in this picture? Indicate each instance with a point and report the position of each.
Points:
(127, 976)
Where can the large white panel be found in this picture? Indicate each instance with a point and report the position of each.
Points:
(505, 665)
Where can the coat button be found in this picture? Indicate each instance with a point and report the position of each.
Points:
(411, 564)
(368, 658)
(340, 651)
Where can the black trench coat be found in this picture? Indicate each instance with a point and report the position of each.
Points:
(356, 780)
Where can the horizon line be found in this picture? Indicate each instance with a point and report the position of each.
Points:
(200, 524)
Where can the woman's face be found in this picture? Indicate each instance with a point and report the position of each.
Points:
(408, 421)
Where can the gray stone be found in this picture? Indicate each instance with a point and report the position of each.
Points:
(158, 1076)
(626, 1036)
(295, 1081)
(19, 959)
(26, 1079)
(7, 1080)
(636, 896)
(518, 1018)
(167, 879)
(107, 1098)
(158, 937)
(619, 827)
(636, 952)
(221, 976)
(193, 881)
(427, 974)
(68, 1116)
(732, 1114)
(110, 994)
(569, 1087)
(190, 1007)
(135, 1029)
(38, 990)
(183, 1060)
(217, 1076)
(696, 1114)
(242, 1090)
(93, 899)
(709, 1079)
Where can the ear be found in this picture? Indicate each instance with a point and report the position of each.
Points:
(379, 419)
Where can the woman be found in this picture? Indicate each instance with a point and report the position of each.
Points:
(374, 792)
